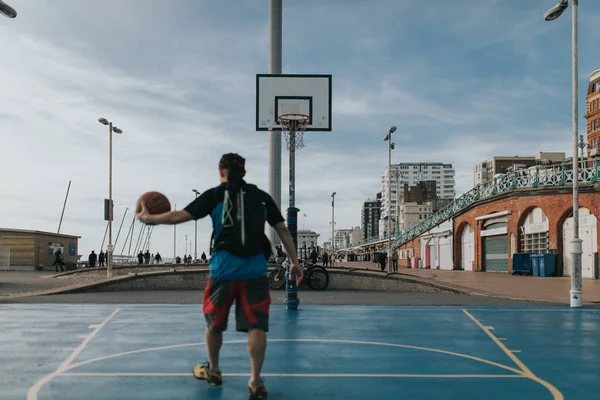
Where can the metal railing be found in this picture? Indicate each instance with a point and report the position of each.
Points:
(533, 177)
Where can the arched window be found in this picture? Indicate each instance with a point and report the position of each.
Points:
(534, 232)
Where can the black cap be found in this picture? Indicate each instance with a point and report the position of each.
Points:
(233, 162)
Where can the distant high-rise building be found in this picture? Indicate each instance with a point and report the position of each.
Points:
(593, 114)
(342, 238)
(369, 217)
(417, 203)
(411, 174)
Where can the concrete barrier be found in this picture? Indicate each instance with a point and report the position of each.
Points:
(120, 270)
(196, 280)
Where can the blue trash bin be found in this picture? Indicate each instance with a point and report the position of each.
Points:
(535, 264)
(521, 264)
(547, 265)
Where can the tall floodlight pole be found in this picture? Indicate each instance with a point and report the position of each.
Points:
(196, 231)
(388, 138)
(576, 293)
(64, 205)
(109, 249)
(332, 223)
(174, 238)
(275, 40)
(7, 10)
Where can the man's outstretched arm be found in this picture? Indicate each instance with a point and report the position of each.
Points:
(168, 218)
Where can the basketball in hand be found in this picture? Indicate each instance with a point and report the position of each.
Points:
(155, 202)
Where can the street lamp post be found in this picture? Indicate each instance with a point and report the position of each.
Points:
(196, 231)
(388, 138)
(109, 249)
(576, 293)
(332, 223)
(7, 10)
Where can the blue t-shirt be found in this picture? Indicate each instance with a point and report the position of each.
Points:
(224, 265)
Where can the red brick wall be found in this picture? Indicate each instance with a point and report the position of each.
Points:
(415, 245)
(556, 203)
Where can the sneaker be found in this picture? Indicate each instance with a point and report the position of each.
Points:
(257, 390)
(203, 372)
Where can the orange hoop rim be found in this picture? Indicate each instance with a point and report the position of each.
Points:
(294, 117)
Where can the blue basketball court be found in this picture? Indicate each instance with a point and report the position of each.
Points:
(324, 352)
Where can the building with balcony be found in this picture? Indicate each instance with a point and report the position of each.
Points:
(342, 238)
(356, 235)
(412, 213)
(593, 114)
(411, 174)
(369, 218)
(485, 172)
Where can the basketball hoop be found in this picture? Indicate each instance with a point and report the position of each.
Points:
(294, 125)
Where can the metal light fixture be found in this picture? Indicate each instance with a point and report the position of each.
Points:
(388, 138)
(332, 223)
(7, 10)
(556, 11)
(576, 250)
(196, 231)
(110, 248)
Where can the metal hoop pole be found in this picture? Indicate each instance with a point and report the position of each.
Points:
(291, 290)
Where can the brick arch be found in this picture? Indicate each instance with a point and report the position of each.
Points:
(555, 202)
(458, 232)
(583, 203)
(526, 212)
(521, 219)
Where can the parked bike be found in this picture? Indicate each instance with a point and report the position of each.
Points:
(315, 276)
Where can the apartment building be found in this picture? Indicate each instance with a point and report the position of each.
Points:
(484, 172)
(593, 114)
(412, 173)
(369, 217)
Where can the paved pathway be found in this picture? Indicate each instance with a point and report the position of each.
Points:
(497, 284)
(19, 282)
(554, 289)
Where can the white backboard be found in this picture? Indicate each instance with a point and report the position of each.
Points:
(293, 94)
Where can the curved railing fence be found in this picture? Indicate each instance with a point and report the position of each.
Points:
(534, 177)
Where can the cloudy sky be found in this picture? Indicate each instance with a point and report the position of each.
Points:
(463, 80)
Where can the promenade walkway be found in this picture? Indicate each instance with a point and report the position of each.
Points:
(555, 289)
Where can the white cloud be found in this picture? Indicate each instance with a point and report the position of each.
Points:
(179, 79)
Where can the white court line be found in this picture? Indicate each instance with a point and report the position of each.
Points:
(588, 309)
(556, 394)
(341, 341)
(159, 374)
(32, 393)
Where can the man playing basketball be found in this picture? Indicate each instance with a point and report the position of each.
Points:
(239, 250)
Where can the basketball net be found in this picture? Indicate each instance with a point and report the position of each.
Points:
(294, 125)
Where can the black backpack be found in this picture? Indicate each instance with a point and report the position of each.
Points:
(242, 222)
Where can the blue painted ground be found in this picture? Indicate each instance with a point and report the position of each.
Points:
(323, 352)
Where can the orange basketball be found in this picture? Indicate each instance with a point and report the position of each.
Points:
(155, 202)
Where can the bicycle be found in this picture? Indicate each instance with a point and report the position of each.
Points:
(316, 277)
